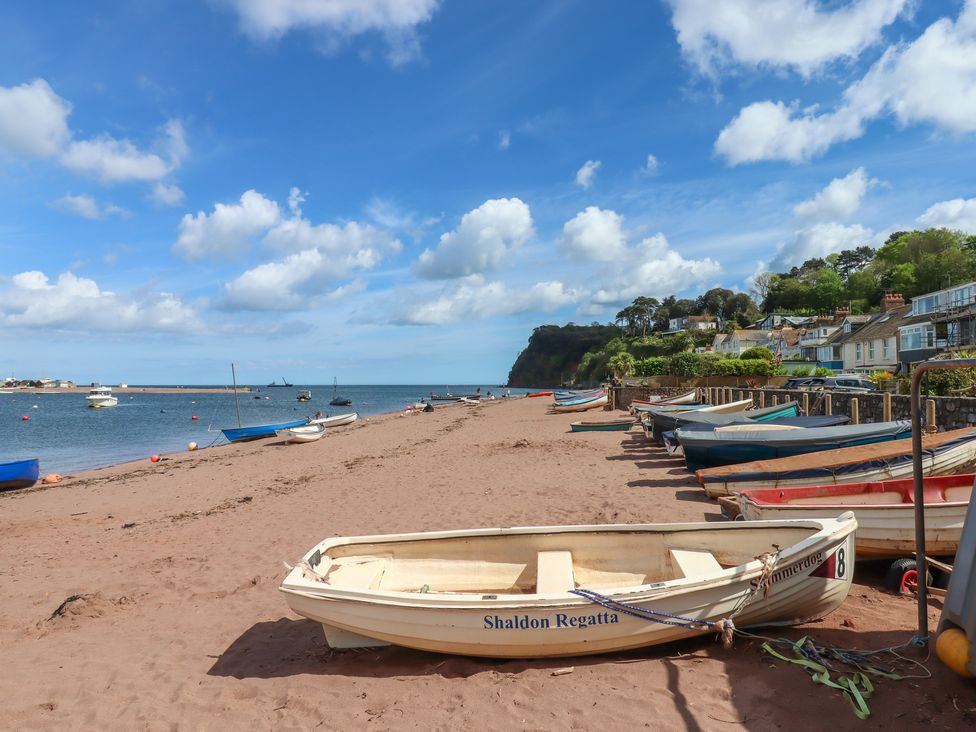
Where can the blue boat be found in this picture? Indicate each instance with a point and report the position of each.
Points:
(244, 434)
(710, 449)
(832, 420)
(19, 474)
(662, 421)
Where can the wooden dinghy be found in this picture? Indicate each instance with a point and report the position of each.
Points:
(942, 454)
(336, 421)
(731, 446)
(581, 405)
(687, 398)
(610, 425)
(304, 433)
(885, 511)
(570, 590)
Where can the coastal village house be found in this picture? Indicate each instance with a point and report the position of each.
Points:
(875, 345)
(830, 354)
(692, 322)
(940, 320)
(734, 343)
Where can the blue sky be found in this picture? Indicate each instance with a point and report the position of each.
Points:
(398, 191)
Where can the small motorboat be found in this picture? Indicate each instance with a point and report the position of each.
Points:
(582, 404)
(610, 425)
(245, 434)
(571, 590)
(101, 397)
(19, 474)
(302, 433)
(304, 395)
(336, 421)
(885, 511)
(470, 401)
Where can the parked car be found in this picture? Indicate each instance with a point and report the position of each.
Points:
(839, 382)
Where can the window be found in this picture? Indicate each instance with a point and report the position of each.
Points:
(871, 350)
(885, 348)
(857, 351)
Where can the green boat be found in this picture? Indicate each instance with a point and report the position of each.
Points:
(611, 425)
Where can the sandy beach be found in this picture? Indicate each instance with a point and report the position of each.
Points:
(176, 621)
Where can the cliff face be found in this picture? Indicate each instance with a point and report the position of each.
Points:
(555, 351)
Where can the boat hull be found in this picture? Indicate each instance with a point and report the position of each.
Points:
(617, 425)
(336, 421)
(810, 580)
(19, 474)
(581, 406)
(258, 432)
(304, 433)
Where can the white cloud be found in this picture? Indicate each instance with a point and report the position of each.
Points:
(228, 231)
(475, 299)
(586, 174)
(819, 240)
(167, 194)
(340, 20)
(114, 160)
(840, 199)
(650, 165)
(594, 235)
(86, 207)
(33, 120)
(77, 303)
(930, 80)
(959, 213)
(504, 140)
(480, 243)
(794, 34)
(652, 268)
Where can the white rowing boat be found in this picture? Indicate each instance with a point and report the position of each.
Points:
(304, 433)
(570, 590)
(336, 421)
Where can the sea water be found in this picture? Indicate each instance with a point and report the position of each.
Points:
(68, 436)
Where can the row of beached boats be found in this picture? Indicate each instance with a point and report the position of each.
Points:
(546, 591)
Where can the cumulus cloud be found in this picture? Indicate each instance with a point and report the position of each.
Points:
(959, 213)
(86, 207)
(474, 299)
(340, 20)
(650, 165)
(30, 300)
(587, 173)
(840, 199)
(33, 120)
(930, 80)
(228, 230)
(167, 194)
(482, 241)
(34, 123)
(795, 34)
(819, 240)
(317, 255)
(594, 235)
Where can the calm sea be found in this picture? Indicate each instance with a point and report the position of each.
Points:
(67, 436)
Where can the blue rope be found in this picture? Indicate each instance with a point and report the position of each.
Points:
(639, 612)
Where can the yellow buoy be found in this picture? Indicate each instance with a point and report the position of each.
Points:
(952, 648)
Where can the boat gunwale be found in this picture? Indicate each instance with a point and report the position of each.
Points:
(827, 531)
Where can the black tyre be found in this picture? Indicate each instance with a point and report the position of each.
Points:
(895, 577)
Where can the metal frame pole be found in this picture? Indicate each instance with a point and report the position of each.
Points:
(918, 473)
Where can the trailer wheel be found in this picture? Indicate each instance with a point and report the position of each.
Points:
(903, 573)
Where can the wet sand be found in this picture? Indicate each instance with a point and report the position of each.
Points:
(176, 621)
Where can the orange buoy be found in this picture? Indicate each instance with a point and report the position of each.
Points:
(51, 478)
(952, 648)
(154, 459)
(25, 418)
(194, 418)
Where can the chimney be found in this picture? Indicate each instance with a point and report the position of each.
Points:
(840, 314)
(891, 300)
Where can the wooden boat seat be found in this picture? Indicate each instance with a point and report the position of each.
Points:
(360, 573)
(694, 562)
(554, 572)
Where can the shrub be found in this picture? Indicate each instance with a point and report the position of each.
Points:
(757, 367)
(822, 371)
(621, 365)
(756, 352)
(654, 366)
(686, 364)
(801, 372)
(728, 367)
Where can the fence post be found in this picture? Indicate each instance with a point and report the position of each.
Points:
(774, 401)
(828, 405)
(855, 412)
(762, 399)
(806, 403)
(930, 425)
(886, 406)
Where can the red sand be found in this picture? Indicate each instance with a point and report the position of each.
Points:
(178, 622)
